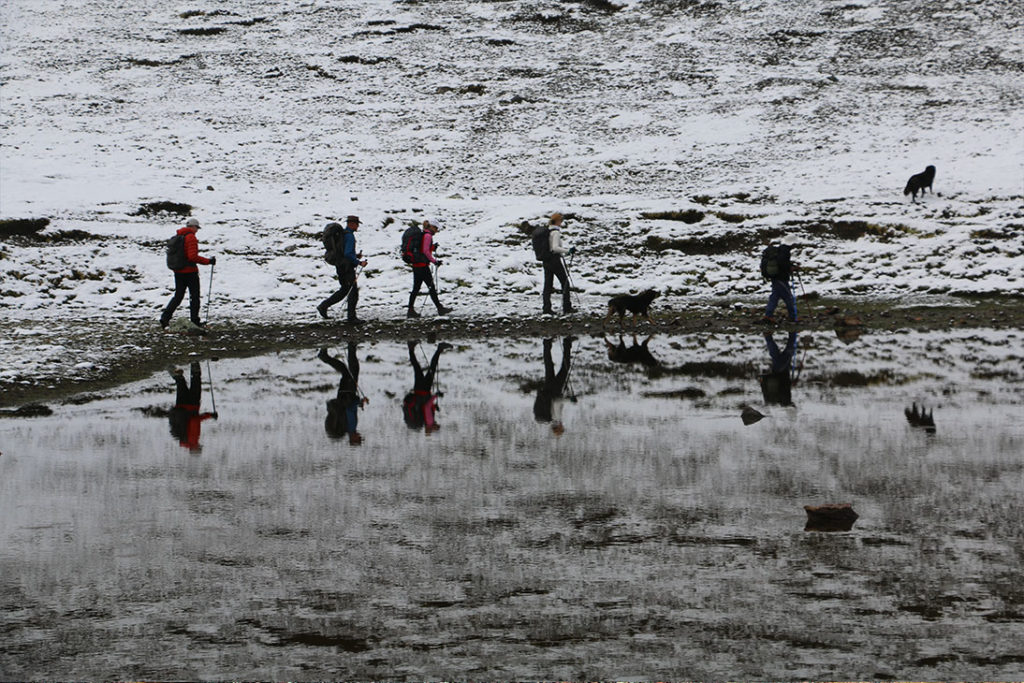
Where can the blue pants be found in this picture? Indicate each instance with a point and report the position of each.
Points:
(781, 290)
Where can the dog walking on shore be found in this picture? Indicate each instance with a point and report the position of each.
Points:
(637, 304)
(919, 182)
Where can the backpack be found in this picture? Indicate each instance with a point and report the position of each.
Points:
(412, 410)
(330, 238)
(176, 259)
(542, 242)
(771, 262)
(412, 244)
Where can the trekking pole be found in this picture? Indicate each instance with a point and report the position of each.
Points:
(209, 374)
(209, 294)
(568, 276)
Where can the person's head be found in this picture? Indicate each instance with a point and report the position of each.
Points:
(192, 223)
(556, 219)
(352, 223)
(789, 240)
(432, 225)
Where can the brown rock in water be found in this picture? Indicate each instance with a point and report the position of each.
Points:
(830, 517)
(750, 416)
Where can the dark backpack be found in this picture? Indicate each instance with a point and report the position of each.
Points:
(771, 262)
(330, 240)
(542, 242)
(176, 259)
(412, 410)
(412, 244)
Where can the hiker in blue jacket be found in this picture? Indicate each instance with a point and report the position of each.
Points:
(345, 263)
(777, 267)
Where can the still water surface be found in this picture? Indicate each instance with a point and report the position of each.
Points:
(520, 516)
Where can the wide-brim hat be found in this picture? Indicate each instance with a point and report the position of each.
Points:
(353, 219)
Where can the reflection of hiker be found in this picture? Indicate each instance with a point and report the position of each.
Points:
(185, 417)
(341, 251)
(343, 411)
(549, 250)
(182, 259)
(419, 407)
(418, 251)
(547, 407)
(777, 267)
(777, 385)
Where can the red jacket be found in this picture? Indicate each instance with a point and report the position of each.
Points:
(191, 251)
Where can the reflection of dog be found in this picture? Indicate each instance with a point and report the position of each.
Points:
(637, 353)
(637, 304)
(919, 417)
(918, 182)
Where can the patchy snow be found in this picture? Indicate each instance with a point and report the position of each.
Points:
(271, 120)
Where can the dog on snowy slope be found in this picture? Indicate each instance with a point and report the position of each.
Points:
(918, 182)
(637, 304)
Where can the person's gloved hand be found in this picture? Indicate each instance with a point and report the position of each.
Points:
(213, 260)
(438, 263)
(572, 251)
(215, 415)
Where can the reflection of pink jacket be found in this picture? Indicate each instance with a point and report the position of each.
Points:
(429, 411)
(195, 419)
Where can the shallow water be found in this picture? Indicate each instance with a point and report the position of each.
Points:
(653, 535)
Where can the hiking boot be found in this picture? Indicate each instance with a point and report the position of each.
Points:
(547, 311)
(767, 320)
(568, 311)
(355, 321)
(411, 313)
(164, 324)
(322, 310)
(444, 346)
(443, 310)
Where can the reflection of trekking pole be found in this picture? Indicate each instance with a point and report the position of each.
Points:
(209, 294)
(213, 400)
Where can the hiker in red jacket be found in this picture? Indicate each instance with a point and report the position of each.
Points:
(188, 278)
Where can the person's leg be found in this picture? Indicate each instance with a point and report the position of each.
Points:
(417, 370)
(194, 299)
(179, 293)
(353, 361)
(773, 298)
(787, 296)
(195, 389)
(417, 283)
(549, 277)
(338, 295)
(563, 280)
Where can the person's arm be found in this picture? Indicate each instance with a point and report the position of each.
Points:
(555, 242)
(428, 250)
(350, 249)
(192, 250)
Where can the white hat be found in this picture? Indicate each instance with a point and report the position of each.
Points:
(192, 223)
(434, 222)
(790, 239)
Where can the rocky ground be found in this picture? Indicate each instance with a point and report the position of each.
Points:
(136, 350)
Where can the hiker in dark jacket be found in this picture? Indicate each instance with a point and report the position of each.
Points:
(777, 384)
(422, 259)
(343, 410)
(419, 407)
(187, 278)
(547, 407)
(779, 276)
(185, 418)
(345, 263)
(554, 266)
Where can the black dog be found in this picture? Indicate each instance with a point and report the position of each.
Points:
(637, 304)
(919, 182)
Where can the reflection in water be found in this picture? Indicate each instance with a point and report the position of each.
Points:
(552, 393)
(419, 407)
(492, 549)
(830, 517)
(637, 354)
(184, 417)
(343, 410)
(777, 384)
(918, 417)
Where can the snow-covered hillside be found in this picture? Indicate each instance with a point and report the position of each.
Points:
(747, 118)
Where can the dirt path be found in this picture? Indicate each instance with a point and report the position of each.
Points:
(134, 350)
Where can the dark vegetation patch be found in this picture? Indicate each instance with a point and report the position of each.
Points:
(157, 208)
(22, 226)
(854, 378)
(248, 22)
(706, 369)
(727, 243)
(560, 22)
(202, 31)
(191, 14)
(356, 59)
(411, 28)
(852, 230)
(687, 393)
(731, 217)
(689, 216)
(1009, 232)
(474, 89)
(136, 61)
(30, 410)
(500, 42)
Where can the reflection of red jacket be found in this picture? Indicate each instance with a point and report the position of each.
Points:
(191, 251)
(195, 418)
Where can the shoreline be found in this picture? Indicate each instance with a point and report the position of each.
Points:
(140, 350)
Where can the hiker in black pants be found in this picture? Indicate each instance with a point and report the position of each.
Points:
(185, 418)
(777, 384)
(346, 259)
(343, 410)
(419, 407)
(186, 277)
(777, 267)
(421, 257)
(554, 266)
(547, 407)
